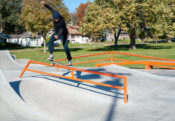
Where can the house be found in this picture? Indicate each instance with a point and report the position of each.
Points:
(123, 35)
(25, 39)
(4, 37)
(75, 36)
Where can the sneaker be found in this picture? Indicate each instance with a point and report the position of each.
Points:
(50, 58)
(70, 63)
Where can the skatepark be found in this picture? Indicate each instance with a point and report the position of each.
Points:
(41, 95)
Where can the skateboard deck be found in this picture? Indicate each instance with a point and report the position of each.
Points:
(54, 62)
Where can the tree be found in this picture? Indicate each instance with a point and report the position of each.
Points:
(80, 12)
(99, 19)
(9, 16)
(138, 14)
(134, 16)
(115, 23)
(38, 19)
(73, 18)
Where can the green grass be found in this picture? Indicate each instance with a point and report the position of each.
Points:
(162, 50)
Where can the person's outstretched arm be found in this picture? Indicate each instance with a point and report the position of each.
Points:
(47, 6)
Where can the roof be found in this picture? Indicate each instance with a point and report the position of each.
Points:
(73, 30)
(4, 36)
(24, 35)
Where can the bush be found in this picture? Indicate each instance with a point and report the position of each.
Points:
(4, 45)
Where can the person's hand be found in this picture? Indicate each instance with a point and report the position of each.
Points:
(43, 3)
(56, 36)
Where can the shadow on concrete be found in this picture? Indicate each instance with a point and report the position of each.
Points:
(15, 85)
(105, 71)
(78, 84)
(112, 110)
(115, 94)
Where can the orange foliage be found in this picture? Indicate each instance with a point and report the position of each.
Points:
(80, 12)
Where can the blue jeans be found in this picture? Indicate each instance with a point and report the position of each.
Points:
(64, 42)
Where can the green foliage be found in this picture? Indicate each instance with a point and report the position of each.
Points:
(97, 19)
(9, 15)
(4, 45)
(134, 16)
(38, 19)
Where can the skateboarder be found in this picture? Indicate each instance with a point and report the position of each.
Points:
(61, 32)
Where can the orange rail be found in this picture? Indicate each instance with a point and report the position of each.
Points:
(84, 56)
(82, 80)
(148, 64)
(155, 58)
(90, 61)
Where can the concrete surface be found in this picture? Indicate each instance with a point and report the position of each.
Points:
(7, 60)
(12, 107)
(36, 97)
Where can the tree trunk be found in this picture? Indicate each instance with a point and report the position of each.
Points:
(44, 45)
(169, 41)
(116, 36)
(44, 37)
(132, 38)
(37, 40)
(1, 27)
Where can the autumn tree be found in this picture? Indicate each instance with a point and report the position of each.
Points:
(38, 19)
(80, 13)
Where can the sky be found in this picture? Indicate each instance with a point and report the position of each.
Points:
(73, 4)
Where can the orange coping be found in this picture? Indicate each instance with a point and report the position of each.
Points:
(82, 80)
(142, 56)
(84, 56)
(148, 64)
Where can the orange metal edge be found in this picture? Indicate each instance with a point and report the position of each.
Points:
(84, 56)
(165, 67)
(155, 58)
(27, 65)
(148, 64)
(90, 61)
(100, 73)
(72, 78)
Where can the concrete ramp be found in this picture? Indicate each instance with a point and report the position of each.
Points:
(12, 107)
(150, 97)
(7, 61)
(141, 83)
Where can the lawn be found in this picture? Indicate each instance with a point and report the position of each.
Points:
(162, 50)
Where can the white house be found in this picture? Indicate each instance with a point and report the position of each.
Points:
(75, 36)
(110, 35)
(25, 39)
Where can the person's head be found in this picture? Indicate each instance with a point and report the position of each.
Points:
(56, 16)
(56, 20)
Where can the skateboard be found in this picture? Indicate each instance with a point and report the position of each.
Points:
(54, 62)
